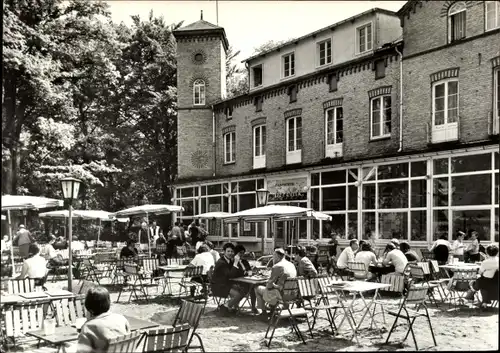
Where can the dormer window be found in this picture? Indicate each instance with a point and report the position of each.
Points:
(456, 21)
(325, 52)
(364, 38)
(288, 65)
(257, 75)
(199, 92)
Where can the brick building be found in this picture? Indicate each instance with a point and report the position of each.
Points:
(324, 125)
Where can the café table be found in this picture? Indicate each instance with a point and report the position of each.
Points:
(460, 266)
(252, 281)
(65, 334)
(356, 289)
(47, 296)
(168, 269)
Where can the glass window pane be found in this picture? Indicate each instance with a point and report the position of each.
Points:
(369, 222)
(352, 175)
(471, 190)
(234, 187)
(393, 225)
(369, 173)
(393, 171)
(214, 189)
(234, 203)
(471, 163)
(478, 220)
(497, 188)
(225, 204)
(314, 179)
(440, 191)
(352, 226)
(315, 199)
(260, 184)
(234, 229)
(335, 177)
(419, 193)
(203, 205)
(302, 229)
(393, 194)
(188, 208)
(248, 185)
(334, 199)
(441, 166)
(440, 223)
(419, 168)
(496, 225)
(496, 153)
(418, 225)
(315, 226)
(337, 226)
(187, 192)
(246, 201)
(352, 197)
(369, 197)
(214, 204)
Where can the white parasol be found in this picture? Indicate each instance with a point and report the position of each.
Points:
(214, 216)
(4, 217)
(146, 210)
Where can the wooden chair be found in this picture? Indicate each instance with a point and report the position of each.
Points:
(420, 274)
(415, 296)
(426, 254)
(125, 343)
(358, 269)
(187, 282)
(21, 318)
(168, 339)
(459, 285)
(68, 310)
(190, 313)
(136, 282)
(397, 286)
(439, 276)
(217, 300)
(283, 310)
(149, 269)
(19, 286)
(85, 286)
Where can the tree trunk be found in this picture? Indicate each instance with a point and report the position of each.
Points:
(9, 107)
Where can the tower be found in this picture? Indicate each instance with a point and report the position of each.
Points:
(201, 81)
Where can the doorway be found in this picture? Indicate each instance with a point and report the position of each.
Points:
(289, 232)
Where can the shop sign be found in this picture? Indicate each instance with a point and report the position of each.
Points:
(287, 189)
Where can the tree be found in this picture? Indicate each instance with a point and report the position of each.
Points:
(270, 44)
(236, 76)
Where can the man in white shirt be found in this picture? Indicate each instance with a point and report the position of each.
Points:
(348, 254)
(396, 258)
(458, 246)
(366, 256)
(203, 258)
(34, 266)
(154, 232)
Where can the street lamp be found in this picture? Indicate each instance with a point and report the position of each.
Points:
(262, 195)
(70, 188)
(25, 213)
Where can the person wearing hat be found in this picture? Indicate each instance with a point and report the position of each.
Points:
(23, 240)
(280, 272)
(395, 242)
(458, 246)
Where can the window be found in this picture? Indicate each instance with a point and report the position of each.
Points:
(257, 75)
(294, 136)
(334, 122)
(445, 103)
(289, 65)
(332, 82)
(496, 97)
(364, 38)
(492, 13)
(258, 103)
(456, 21)
(325, 52)
(379, 69)
(292, 92)
(199, 92)
(380, 116)
(230, 147)
(229, 113)
(259, 146)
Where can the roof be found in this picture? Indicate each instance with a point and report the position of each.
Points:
(313, 34)
(202, 27)
(406, 7)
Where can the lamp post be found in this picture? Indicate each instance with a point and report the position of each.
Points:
(25, 213)
(70, 188)
(262, 195)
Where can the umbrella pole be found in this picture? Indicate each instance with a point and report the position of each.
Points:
(11, 242)
(99, 230)
(147, 235)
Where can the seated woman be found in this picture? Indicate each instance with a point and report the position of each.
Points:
(411, 255)
(487, 272)
(366, 256)
(129, 250)
(102, 324)
(314, 256)
(34, 266)
(395, 260)
(205, 259)
(244, 265)
(305, 267)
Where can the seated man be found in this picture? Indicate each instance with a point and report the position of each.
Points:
(203, 258)
(367, 257)
(129, 250)
(411, 255)
(281, 270)
(487, 272)
(395, 259)
(347, 256)
(227, 267)
(305, 267)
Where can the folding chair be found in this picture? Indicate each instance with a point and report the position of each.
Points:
(439, 276)
(67, 311)
(136, 282)
(358, 269)
(187, 282)
(85, 286)
(415, 296)
(282, 310)
(20, 318)
(311, 296)
(460, 284)
(190, 313)
(420, 273)
(169, 339)
(217, 300)
(397, 286)
(19, 286)
(426, 255)
(125, 343)
(149, 268)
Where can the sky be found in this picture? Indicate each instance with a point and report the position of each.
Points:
(249, 24)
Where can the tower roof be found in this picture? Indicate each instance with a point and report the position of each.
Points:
(202, 27)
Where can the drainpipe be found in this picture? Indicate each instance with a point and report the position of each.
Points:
(400, 100)
(247, 66)
(213, 142)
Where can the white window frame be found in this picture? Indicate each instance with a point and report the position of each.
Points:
(199, 87)
(496, 100)
(496, 15)
(259, 160)
(448, 130)
(333, 149)
(368, 43)
(381, 121)
(295, 154)
(318, 52)
(291, 69)
(231, 146)
(451, 13)
(261, 75)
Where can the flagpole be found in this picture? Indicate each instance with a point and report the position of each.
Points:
(217, 11)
